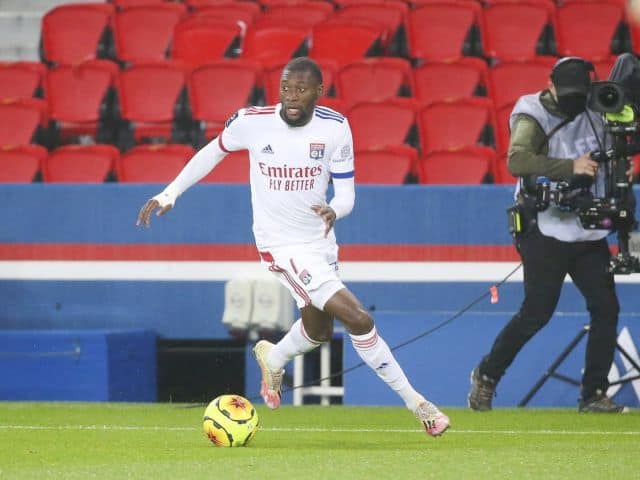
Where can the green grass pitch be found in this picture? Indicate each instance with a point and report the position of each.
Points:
(165, 441)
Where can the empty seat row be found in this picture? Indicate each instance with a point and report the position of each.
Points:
(161, 163)
(431, 31)
(100, 163)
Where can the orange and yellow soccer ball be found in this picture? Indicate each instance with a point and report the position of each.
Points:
(230, 421)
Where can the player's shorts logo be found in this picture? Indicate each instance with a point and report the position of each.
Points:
(316, 151)
(305, 277)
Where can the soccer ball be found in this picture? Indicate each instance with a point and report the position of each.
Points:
(230, 421)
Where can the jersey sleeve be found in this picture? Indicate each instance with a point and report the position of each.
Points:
(233, 135)
(341, 161)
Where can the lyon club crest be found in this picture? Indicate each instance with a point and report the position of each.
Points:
(305, 277)
(316, 151)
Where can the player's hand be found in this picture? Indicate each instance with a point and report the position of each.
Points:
(144, 216)
(327, 214)
(584, 165)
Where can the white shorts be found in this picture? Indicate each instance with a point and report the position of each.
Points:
(309, 271)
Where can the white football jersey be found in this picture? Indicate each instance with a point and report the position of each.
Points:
(290, 169)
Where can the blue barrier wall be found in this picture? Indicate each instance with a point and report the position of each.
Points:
(72, 258)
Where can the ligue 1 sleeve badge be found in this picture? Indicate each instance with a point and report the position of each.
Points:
(316, 151)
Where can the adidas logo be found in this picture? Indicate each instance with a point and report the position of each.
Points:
(267, 149)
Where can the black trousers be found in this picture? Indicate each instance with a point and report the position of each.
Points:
(546, 262)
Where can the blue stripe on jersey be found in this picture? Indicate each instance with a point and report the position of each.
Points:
(328, 111)
(342, 175)
(329, 117)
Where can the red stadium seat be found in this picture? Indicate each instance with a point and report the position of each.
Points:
(346, 40)
(443, 31)
(219, 89)
(122, 4)
(468, 166)
(150, 103)
(200, 40)
(144, 33)
(388, 166)
(373, 79)
(390, 15)
(20, 163)
(76, 32)
(510, 80)
(439, 81)
(271, 80)
(234, 168)
(19, 122)
(600, 19)
(153, 163)
(377, 125)
(528, 21)
(80, 100)
(304, 14)
(273, 45)
(225, 11)
(21, 79)
(456, 124)
(80, 164)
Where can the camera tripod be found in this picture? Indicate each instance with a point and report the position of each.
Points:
(551, 371)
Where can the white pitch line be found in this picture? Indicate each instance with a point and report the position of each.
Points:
(313, 430)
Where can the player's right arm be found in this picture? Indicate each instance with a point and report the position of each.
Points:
(200, 164)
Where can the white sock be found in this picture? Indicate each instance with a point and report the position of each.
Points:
(294, 343)
(375, 352)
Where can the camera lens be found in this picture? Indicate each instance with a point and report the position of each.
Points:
(608, 97)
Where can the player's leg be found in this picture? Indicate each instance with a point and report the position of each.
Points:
(375, 352)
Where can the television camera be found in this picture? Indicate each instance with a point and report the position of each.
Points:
(615, 210)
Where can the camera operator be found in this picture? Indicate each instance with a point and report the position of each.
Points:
(552, 135)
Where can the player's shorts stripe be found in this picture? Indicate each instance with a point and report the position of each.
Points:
(342, 174)
(221, 145)
(297, 288)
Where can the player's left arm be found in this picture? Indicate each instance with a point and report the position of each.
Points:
(342, 175)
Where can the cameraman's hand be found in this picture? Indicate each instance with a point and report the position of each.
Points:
(584, 165)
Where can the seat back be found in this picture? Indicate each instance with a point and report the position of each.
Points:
(386, 166)
(274, 45)
(80, 93)
(442, 31)
(144, 33)
(439, 81)
(20, 79)
(456, 124)
(152, 163)
(600, 19)
(219, 89)
(380, 124)
(467, 166)
(304, 14)
(508, 81)
(346, 40)
(80, 164)
(19, 122)
(20, 163)
(75, 32)
(201, 40)
(373, 79)
(527, 21)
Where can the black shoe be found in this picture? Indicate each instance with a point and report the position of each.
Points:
(600, 403)
(482, 391)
